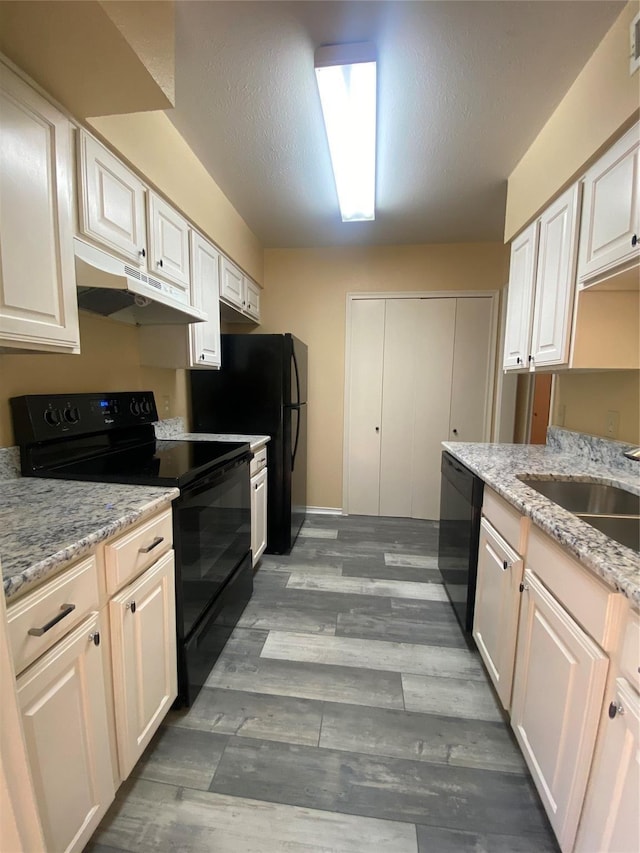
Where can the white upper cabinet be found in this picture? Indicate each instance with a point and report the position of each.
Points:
(240, 292)
(610, 230)
(168, 243)
(522, 272)
(554, 290)
(541, 288)
(112, 202)
(205, 337)
(38, 307)
(232, 284)
(252, 298)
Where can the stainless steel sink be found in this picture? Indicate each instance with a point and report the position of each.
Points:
(623, 528)
(590, 498)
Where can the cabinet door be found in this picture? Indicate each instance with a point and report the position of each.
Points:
(252, 299)
(64, 715)
(38, 301)
(555, 285)
(205, 337)
(611, 211)
(522, 273)
(610, 817)
(169, 244)
(232, 283)
(143, 640)
(258, 515)
(496, 608)
(112, 202)
(558, 690)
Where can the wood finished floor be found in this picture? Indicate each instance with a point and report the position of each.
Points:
(346, 714)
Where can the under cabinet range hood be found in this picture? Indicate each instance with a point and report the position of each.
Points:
(112, 288)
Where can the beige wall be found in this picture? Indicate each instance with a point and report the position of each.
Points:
(587, 397)
(108, 362)
(602, 100)
(305, 293)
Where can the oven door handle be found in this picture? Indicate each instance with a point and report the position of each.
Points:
(217, 477)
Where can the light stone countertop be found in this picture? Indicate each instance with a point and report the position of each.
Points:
(500, 465)
(47, 524)
(173, 429)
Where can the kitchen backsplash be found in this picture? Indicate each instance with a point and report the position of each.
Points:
(9, 463)
(169, 428)
(593, 447)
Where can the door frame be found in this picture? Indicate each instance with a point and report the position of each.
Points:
(418, 294)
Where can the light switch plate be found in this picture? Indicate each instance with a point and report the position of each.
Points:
(613, 424)
(634, 45)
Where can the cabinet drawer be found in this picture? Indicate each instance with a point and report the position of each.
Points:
(64, 601)
(134, 551)
(630, 655)
(591, 603)
(259, 461)
(512, 526)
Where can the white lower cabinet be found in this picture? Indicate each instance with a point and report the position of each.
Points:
(258, 515)
(495, 622)
(143, 639)
(610, 822)
(558, 689)
(63, 708)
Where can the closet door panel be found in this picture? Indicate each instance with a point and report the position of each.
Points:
(471, 363)
(433, 356)
(365, 405)
(398, 381)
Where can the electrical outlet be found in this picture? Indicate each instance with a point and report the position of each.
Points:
(166, 404)
(613, 424)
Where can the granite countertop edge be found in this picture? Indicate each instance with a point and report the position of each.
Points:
(500, 465)
(25, 580)
(255, 441)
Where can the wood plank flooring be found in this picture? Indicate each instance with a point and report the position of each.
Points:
(346, 715)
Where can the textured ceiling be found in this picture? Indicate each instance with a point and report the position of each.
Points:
(463, 89)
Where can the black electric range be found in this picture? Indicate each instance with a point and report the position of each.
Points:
(110, 438)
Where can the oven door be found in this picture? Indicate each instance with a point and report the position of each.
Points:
(212, 536)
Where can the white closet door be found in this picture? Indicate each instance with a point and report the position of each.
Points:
(471, 366)
(398, 382)
(433, 339)
(365, 405)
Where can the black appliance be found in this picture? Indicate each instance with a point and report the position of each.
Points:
(460, 515)
(110, 438)
(262, 389)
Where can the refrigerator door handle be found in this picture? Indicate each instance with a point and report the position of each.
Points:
(297, 375)
(295, 444)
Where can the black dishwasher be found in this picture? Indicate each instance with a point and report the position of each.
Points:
(460, 514)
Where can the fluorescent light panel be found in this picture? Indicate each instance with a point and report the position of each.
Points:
(346, 76)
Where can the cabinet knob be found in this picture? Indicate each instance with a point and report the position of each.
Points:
(95, 638)
(523, 587)
(377, 429)
(518, 360)
(256, 486)
(160, 263)
(131, 606)
(505, 565)
(142, 253)
(454, 431)
(202, 357)
(531, 358)
(615, 708)
(634, 240)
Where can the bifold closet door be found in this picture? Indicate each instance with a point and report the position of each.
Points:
(471, 380)
(416, 401)
(365, 405)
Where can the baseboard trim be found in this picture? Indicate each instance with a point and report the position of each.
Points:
(324, 510)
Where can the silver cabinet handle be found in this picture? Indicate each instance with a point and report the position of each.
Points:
(65, 610)
(153, 545)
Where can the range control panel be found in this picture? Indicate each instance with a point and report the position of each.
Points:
(40, 417)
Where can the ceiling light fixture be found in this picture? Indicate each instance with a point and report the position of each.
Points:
(346, 76)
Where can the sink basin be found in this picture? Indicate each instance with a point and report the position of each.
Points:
(590, 498)
(624, 529)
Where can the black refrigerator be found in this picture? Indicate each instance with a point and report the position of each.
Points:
(261, 388)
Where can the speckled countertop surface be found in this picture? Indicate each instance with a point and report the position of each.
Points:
(499, 465)
(173, 428)
(46, 524)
